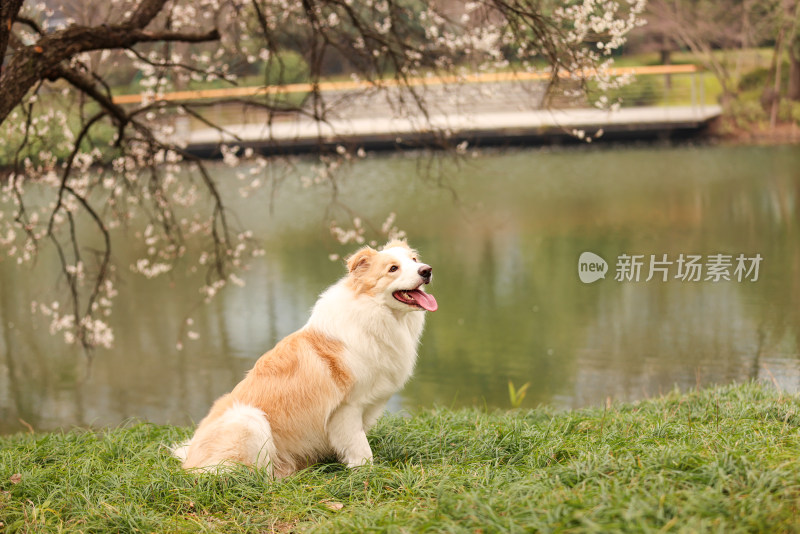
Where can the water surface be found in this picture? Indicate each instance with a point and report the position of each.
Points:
(504, 232)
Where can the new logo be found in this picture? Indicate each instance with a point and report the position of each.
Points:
(591, 267)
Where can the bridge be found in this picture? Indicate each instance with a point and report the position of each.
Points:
(478, 110)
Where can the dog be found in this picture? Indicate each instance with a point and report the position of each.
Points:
(315, 395)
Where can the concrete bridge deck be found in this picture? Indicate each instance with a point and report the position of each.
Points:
(482, 128)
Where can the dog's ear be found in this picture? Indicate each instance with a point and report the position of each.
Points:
(360, 259)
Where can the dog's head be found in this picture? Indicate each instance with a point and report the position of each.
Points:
(393, 275)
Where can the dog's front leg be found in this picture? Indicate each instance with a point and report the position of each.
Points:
(347, 437)
(372, 414)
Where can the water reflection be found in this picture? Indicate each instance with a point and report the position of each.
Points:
(511, 304)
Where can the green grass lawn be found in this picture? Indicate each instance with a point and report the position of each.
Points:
(722, 460)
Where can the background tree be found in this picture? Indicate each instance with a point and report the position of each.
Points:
(785, 18)
(719, 34)
(709, 30)
(81, 170)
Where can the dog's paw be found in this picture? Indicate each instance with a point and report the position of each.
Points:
(179, 450)
(359, 462)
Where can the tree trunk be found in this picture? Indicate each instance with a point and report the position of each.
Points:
(793, 92)
(771, 96)
(666, 59)
(8, 13)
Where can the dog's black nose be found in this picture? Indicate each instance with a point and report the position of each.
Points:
(425, 273)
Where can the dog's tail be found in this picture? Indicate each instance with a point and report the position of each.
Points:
(241, 435)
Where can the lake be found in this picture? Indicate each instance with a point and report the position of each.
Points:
(504, 232)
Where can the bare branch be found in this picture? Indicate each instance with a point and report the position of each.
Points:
(87, 85)
(30, 23)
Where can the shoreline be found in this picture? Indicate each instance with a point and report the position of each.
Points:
(783, 134)
(716, 132)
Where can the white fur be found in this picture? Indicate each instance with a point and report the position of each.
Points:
(246, 429)
(381, 353)
(376, 338)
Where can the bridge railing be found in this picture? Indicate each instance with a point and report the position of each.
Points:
(659, 86)
(667, 85)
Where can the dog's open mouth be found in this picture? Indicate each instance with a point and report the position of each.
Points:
(418, 298)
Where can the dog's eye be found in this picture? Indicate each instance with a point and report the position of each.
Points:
(393, 268)
(414, 259)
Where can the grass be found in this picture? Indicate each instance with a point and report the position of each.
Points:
(721, 460)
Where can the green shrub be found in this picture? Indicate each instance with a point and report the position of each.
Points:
(758, 78)
(746, 111)
(789, 111)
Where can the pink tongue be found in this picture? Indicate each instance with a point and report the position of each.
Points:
(425, 300)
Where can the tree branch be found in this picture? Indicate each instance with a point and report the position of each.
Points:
(145, 13)
(85, 84)
(29, 23)
(32, 63)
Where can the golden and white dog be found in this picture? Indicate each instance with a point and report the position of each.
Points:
(320, 389)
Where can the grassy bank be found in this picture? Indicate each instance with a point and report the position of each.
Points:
(722, 460)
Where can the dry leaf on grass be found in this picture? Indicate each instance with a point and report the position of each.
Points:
(331, 505)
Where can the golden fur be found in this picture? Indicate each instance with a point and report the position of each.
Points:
(296, 404)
